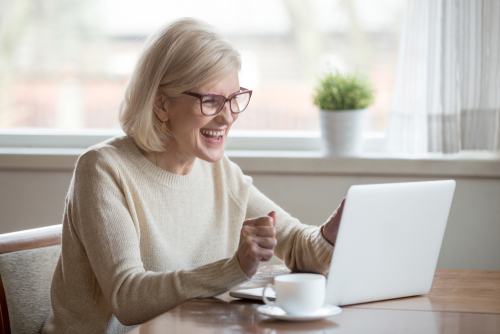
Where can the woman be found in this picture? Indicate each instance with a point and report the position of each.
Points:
(160, 216)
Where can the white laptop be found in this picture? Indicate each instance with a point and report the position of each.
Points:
(388, 243)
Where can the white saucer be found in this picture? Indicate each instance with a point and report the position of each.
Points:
(278, 313)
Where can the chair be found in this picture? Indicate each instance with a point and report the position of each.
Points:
(27, 262)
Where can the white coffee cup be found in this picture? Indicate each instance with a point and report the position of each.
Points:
(298, 294)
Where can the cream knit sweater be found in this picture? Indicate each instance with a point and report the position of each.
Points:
(138, 240)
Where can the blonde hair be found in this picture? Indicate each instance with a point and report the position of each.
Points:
(182, 56)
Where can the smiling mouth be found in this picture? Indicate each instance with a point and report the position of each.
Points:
(214, 135)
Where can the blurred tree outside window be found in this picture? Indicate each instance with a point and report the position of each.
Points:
(65, 63)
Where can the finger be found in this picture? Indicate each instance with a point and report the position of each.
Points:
(266, 243)
(272, 214)
(340, 209)
(255, 252)
(250, 233)
(265, 220)
(262, 221)
(263, 231)
(249, 222)
(266, 255)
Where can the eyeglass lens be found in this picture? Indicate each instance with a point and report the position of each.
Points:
(211, 105)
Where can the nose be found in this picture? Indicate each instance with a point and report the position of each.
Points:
(225, 116)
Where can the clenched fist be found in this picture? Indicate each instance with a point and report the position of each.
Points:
(257, 242)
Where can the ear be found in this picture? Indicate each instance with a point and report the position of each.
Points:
(160, 106)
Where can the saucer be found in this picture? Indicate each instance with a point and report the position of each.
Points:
(278, 313)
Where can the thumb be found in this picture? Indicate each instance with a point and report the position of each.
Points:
(272, 214)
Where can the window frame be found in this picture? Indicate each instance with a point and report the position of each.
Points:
(238, 140)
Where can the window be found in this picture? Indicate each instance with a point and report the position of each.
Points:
(65, 63)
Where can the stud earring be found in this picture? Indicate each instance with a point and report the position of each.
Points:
(163, 127)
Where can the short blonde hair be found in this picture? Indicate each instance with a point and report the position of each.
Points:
(182, 56)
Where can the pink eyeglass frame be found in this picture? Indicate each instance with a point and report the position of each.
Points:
(226, 99)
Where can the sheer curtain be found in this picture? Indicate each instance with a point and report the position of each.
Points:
(447, 95)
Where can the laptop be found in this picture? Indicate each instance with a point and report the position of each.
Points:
(388, 242)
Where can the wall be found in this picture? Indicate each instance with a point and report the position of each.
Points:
(32, 198)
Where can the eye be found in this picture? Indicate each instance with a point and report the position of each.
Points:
(209, 100)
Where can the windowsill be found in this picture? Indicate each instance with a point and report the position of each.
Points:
(466, 164)
(256, 152)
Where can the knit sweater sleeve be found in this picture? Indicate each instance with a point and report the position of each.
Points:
(101, 219)
(302, 247)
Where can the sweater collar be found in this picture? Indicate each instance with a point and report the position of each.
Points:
(165, 177)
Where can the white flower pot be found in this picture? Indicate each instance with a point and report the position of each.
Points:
(342, 132)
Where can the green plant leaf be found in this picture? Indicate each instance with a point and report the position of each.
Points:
(337, 91)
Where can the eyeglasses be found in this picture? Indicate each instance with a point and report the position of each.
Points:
(212, 104)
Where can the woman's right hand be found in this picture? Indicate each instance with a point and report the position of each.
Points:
(257, 242)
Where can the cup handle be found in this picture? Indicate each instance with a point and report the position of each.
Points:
(264, 298)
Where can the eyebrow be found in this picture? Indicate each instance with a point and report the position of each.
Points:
(239, 90)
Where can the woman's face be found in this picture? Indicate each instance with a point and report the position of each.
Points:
(191, 129)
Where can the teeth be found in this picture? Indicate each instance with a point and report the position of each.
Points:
(213, 133)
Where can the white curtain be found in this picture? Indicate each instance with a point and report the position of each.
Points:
(447, 94)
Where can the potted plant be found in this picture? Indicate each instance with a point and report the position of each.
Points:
(343, 100)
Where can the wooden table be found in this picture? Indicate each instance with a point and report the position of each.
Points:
(460, 301)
